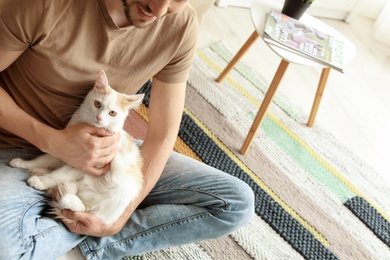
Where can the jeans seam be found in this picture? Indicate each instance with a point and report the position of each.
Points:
(21, 231)
(92, 255)
(85, 249)
(225, 203)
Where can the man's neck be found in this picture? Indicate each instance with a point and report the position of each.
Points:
(116, 11)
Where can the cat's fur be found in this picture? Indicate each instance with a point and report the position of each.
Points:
(108, 195)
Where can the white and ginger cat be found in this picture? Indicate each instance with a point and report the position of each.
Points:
(108, 195)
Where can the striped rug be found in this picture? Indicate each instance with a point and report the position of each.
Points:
(315, 199)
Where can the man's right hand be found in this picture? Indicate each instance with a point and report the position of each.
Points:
(85, 147)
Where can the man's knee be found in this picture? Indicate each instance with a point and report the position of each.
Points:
(244, 204)
(239, 200)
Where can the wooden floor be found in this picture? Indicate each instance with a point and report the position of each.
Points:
(356, 105)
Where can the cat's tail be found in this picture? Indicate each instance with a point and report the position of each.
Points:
(58, 194)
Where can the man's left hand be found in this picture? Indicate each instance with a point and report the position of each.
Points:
(86, 223)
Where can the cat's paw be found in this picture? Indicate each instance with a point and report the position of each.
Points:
(72, 202)
(37, 183)
(18, 163)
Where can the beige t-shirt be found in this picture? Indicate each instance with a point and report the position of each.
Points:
(67, 43)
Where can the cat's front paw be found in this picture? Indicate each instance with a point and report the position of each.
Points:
(72, 202)
(37, 183)
(18, 163)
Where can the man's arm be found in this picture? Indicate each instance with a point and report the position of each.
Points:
(165, 113)
(79, 146)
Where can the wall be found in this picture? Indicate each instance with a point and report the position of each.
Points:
(335, 9)
(238, 3)
(382, 25)
(371, 8)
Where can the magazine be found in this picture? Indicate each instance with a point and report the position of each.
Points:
(286, 32)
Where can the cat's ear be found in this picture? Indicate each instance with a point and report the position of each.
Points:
(135, 100)
(101, 82)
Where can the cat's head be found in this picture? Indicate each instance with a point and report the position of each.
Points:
(106, 108)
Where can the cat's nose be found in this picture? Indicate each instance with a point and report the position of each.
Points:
(98, 118)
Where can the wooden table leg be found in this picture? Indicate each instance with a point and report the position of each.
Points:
(264, 105)
(318, 97)
(238, 56)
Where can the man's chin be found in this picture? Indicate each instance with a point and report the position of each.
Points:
(143, 24)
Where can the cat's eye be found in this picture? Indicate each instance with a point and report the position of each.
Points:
(97, 104)
(112, 113)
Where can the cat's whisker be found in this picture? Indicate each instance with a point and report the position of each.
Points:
(66, 111)
(84, 111)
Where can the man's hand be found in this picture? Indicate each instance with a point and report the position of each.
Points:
(87, 148)
(86, 223)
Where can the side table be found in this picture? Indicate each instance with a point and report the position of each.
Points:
(259, 12)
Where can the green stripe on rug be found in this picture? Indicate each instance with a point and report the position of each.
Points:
(302, 153)
(284, 137)
(306, 158)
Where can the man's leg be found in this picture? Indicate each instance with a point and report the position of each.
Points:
(25, 232)
(191, 202)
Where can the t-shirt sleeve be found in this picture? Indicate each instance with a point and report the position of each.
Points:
(19, 21)
(178, 69)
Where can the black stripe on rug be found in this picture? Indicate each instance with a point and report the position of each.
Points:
(301, 239)
(370, 217)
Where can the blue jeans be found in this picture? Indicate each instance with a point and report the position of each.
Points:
(190, 202)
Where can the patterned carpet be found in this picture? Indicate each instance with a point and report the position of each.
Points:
(314, 198)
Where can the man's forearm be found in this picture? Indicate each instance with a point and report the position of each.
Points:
(155, 154)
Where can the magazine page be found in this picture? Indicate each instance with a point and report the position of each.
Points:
(284, 31)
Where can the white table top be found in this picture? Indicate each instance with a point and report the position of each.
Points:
(260, 10)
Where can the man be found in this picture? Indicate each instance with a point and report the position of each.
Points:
(50, 54)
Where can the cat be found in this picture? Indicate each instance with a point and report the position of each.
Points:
(106, 196)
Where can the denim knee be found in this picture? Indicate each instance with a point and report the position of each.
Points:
(239, 205)
(245, 203)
